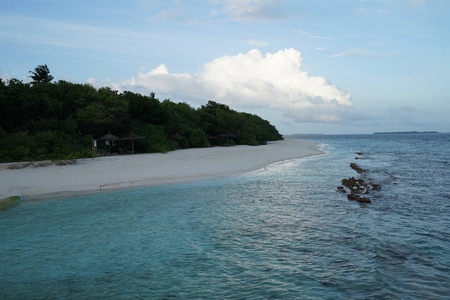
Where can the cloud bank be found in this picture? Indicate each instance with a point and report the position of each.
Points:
(251, 80)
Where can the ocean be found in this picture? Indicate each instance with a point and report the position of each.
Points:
(282, 232)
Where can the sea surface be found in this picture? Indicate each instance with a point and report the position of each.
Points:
(282, 232)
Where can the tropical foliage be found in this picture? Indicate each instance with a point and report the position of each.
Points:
(59, 120)
(41, 74)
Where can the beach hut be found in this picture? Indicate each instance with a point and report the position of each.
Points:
(110, 138)
(227, 136)
(132, 136)
(181, 140)
(177, 136)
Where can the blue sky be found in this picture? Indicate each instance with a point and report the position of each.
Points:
(322, 66)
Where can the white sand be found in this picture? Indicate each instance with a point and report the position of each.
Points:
(124, 171)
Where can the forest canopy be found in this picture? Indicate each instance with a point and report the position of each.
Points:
(51, 121)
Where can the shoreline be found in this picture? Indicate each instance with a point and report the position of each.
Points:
(105, 174)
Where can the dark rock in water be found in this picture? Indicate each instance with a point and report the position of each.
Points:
(364, 200)
(350, 182)
(375, 187)
(341, 189)
(358, 198)
(357, 168)
(353, 197)
(354, 184)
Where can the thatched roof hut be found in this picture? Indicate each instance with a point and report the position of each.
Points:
(110, 138)
(132, 136)
(177, 136)
(227, 135)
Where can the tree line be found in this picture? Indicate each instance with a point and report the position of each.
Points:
(43, 120)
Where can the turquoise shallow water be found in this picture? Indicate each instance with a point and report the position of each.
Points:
(279, 233)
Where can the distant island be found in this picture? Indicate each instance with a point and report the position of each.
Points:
(405, 132)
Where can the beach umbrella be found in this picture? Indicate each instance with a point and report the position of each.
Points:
(110, 138)
(132, 136)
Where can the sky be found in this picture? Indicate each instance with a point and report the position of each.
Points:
(306, 66)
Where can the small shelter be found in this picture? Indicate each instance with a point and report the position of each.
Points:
(177, 136)
(227, 139)
(227, 135)
(132, 136)
(111, 138)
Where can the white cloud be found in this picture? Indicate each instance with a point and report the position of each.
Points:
(353, 53)
(367, 10)
(26, 30)
(251, 80)
(376, 6)
(257, 43)
(418, 2)
(320, 37)
(253, 10)
(362, 53)
(362, 10)
(171, 15)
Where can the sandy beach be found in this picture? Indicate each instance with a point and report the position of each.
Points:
(125, 171)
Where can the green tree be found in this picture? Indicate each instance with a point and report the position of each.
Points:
(94, 118)
(144, 108)
(41, 74)
(55, 121)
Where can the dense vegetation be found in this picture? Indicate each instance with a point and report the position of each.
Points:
(43, 120)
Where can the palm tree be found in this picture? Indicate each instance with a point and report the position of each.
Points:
(41, 74)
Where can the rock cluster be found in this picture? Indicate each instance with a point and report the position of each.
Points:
(357, 187)
(358, 198)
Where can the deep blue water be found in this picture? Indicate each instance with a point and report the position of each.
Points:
(279, 233)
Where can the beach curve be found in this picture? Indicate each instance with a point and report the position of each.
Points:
(126, 171)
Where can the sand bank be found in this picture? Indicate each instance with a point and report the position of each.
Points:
(125, 171)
